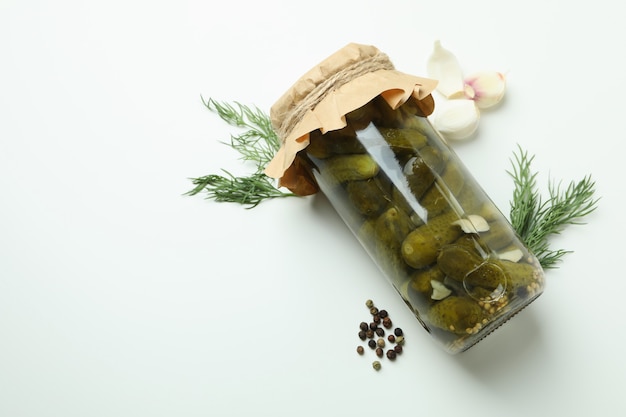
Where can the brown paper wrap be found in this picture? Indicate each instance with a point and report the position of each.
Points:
(320, 99)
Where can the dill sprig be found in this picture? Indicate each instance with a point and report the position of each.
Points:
(249, 190)
(536, 220)
(257, 144)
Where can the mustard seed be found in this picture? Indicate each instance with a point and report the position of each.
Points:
(391, 354)
(391, 338)
(359, 350)
(376, 365)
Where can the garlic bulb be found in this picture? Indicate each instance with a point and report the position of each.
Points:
(457, 119)
(463, 97)
(443, 66)
(485, 88)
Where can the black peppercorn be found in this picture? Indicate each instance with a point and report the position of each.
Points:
(379, 352)
(372, 344)
(373, 326)
(391, 338)
(387, 322)
(369, 303)
(362, 335)
(397, 331)
(359, 350)
(398, 349)
(377, 319)
(380, 332)
(363, 326)
(369, 334)
(373, 311)
(391, 354)
(383, 313)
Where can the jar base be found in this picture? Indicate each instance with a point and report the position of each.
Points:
(458, 345)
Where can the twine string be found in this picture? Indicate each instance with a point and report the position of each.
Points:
(380, 61)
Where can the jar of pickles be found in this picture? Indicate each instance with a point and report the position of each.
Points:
(357, 129)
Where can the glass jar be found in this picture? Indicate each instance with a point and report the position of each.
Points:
(432, 230)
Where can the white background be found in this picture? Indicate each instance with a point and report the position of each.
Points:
(119, 296)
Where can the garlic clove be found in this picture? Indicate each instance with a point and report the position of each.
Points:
(513, 255)
(457, 119)
(408, 167)
(473, 224)
(485, 88)
(443, 66)
(440, 291)
(479, 222)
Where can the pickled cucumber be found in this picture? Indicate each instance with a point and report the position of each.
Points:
(392, 227)
(457, 261)
(472, 202)
(433, 158)
(488, 275)
(453, 178)
(525, 279)
(343, 168)
(420, 281)
(439, 196)
(421, 246)
(403, 141)
(465, 265)
(336, 142)
(459, 315)
(385, 116)
(367, 196)
(360, 118)
(421, 177)
(499, 235)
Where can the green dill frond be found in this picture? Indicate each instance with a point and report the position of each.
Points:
(250, 190)
(257, 143)
(525, 196)
(535, 220)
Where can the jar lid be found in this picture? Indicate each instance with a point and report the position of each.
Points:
(320, 99)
